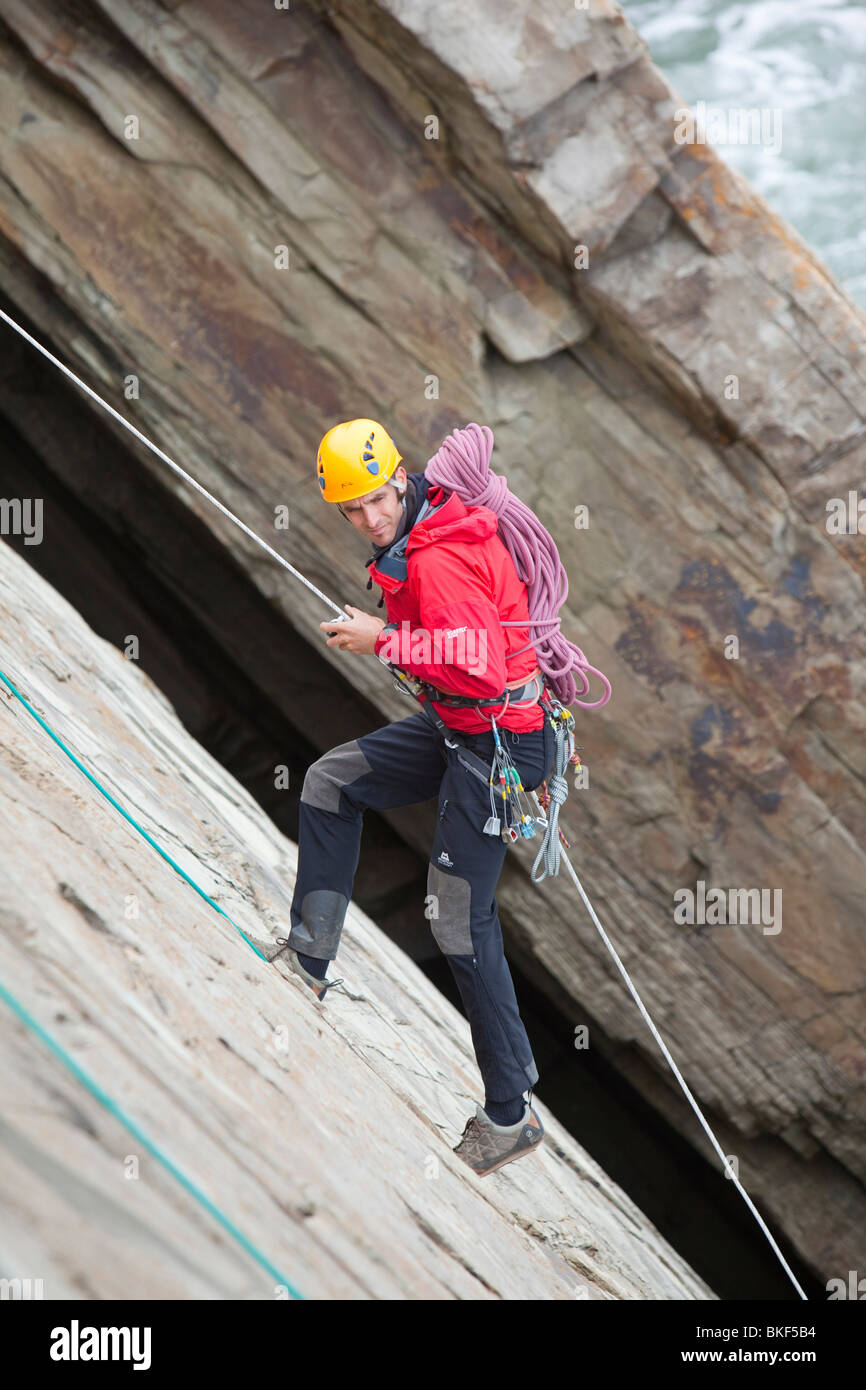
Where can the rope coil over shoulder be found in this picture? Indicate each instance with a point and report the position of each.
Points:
(462, 465)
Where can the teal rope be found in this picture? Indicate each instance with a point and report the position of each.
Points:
(95, 1090)
(115, 1110)
(126, 815)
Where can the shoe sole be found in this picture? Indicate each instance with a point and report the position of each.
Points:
(511, 1158)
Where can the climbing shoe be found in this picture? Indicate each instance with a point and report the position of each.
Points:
(486, 1146)
(272, 949)
(319, 987)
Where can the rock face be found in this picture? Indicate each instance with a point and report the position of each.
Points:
(273, 220)
(227, 1067)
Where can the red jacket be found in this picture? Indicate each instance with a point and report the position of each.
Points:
(460, 580)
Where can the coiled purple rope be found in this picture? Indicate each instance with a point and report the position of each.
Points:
(462, 465)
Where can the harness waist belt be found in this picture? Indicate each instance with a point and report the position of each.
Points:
(524, 692)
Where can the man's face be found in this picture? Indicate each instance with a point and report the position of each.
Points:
(377, 514)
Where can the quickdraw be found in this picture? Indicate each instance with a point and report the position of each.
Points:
(515, 819)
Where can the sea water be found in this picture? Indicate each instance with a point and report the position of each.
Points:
(802, 59)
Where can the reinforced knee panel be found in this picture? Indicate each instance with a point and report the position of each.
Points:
(451, 929)
(336, 769)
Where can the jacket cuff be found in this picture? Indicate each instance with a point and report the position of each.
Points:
(381, 637)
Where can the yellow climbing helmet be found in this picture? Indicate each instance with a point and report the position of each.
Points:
(354, 458)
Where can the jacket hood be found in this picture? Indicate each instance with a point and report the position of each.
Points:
(452, 522)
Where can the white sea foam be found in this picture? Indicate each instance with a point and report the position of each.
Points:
(806, 59)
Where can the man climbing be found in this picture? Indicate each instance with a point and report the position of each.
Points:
(445, 574)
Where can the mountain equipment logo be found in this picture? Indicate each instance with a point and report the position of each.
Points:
(444, 859)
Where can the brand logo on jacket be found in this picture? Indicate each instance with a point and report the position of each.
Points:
(420, 646)
(444, 859)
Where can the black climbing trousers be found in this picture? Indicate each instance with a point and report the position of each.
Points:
(398, 765)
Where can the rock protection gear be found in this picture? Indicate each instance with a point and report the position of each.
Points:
(355, 458)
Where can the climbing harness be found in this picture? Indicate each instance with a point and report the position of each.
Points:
(563, 724)
(511, 815)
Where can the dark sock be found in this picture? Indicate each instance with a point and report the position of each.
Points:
(505, 1112)
(317, 968)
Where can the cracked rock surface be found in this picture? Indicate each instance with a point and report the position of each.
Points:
(324, 1134)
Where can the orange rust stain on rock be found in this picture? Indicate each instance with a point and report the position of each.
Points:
(805, 270)
(691, 629)
(719, 192)
(703, 153)
(715, 668)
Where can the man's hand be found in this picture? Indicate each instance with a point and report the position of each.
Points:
(358, 636)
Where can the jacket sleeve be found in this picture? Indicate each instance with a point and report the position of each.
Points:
(459, 644)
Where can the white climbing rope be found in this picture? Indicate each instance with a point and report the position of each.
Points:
(676, 1071)
(557, 787)
(171, 463)
(551, 851)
